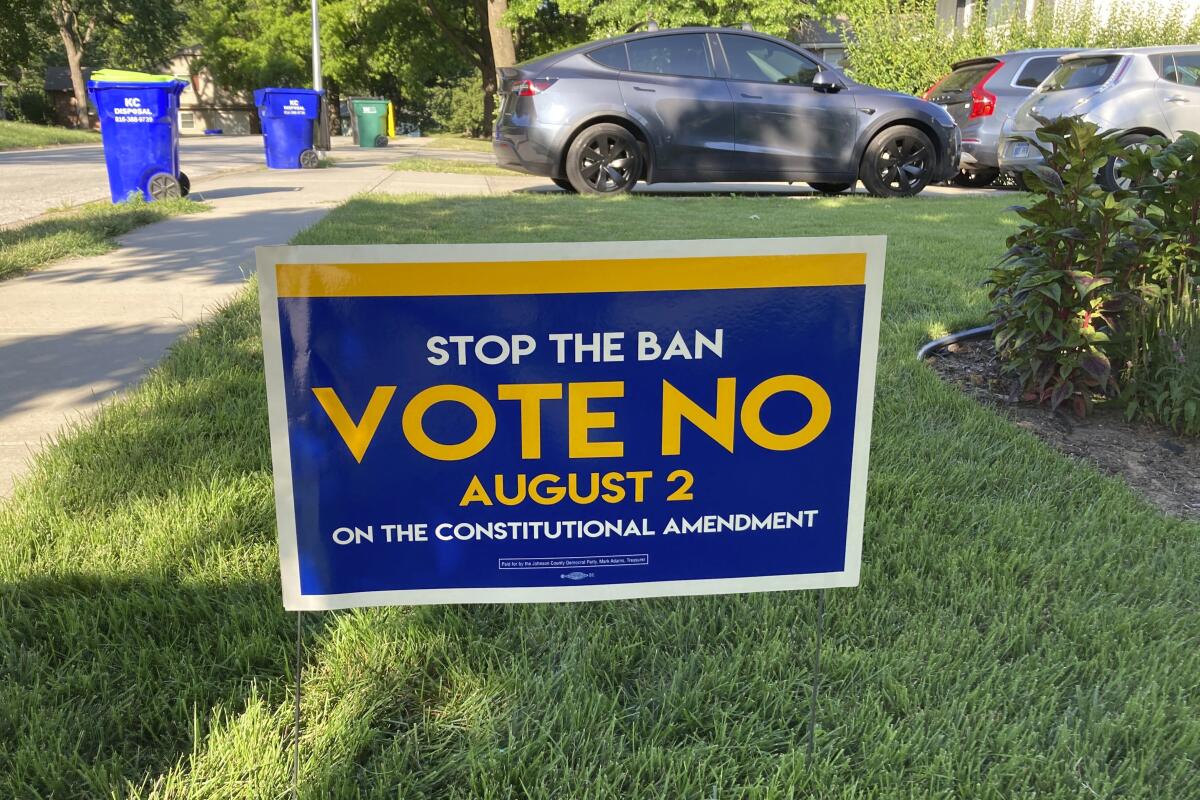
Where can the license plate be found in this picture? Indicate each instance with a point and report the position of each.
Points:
(1019, 150)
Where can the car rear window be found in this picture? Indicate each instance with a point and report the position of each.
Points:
(1080, 73)
(612, 56)
(1035, 71)
(683, 54)
(964, 78)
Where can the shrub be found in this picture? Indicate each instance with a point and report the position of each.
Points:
(1094, 279)
(458, 107)
(1163, 383)
(904, 46)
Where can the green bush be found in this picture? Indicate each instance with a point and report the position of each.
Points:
(1163, 384)
(457, 107)
(1097, 294)
(902, 45)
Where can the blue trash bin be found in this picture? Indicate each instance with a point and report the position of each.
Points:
(139, 126)
(288, 116)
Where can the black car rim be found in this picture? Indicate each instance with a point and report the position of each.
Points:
(607, 162)
(903, 163)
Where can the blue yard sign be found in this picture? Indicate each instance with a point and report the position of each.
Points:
(587, 421)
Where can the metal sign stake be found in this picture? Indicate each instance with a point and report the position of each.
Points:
(816, 678)
(296, 730)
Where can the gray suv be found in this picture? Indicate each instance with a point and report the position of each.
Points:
(703, 104)
(982, 94)
(1141, 91)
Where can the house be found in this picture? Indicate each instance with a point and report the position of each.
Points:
(204, 105)
(57, 84)
(826, 38)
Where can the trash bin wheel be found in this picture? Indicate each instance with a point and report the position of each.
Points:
(163, 186)
(309, 159)
(185, 184)
(381, 141)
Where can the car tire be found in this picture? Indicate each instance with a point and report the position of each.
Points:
(604, 159)
(829, 188)
(975, 178)
(564, 184)
(1108, 177)
(1019, 181)
(899, 162)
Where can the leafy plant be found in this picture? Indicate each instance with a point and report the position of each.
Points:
(1060, 289)
(1163, 383)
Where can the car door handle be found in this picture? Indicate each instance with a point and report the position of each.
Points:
(1177, 98)
(752, 96)
(642, 89)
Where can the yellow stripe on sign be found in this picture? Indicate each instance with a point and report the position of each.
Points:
(568, 276)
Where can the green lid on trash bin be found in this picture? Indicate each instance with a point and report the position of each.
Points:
(129, 76)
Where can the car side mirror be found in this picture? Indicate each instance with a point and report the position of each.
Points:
(827, 81)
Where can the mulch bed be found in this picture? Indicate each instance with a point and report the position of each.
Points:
(1162, 467)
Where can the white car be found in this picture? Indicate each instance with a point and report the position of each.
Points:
(1140, 91)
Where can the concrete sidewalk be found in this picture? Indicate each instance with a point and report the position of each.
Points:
(73, 334)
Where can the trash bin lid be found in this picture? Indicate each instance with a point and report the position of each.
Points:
(261, 94)
(129, 76)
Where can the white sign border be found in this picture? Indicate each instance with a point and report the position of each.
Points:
(285, 508)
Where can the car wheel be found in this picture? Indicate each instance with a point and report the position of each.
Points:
(898, 162)
(604, 159)
(1110, 177)
(829, 188)
(564, 184)
(975, 178)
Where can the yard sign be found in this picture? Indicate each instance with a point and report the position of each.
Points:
(584, 421)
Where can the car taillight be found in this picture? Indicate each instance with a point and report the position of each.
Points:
(530, 88)
(983, 102)
(929, 92)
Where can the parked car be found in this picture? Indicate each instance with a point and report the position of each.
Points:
(704, 104)
(982, 94)
(1141, 92)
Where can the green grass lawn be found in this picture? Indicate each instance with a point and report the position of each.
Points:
(19, 135)
(86, 230)
(1025, 626)
(449, 142)
(456, 166)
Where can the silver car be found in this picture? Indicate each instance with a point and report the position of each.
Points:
(982, 94)
(1140, 91)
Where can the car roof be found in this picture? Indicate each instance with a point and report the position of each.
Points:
(1013, 54)
(1135, 51)
(595, 44)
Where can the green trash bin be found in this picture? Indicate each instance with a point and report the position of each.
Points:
(371, 117)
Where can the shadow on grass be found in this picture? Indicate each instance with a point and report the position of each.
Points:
(84, 231)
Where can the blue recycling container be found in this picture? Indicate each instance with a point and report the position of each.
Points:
(139, 127)
(288, 116)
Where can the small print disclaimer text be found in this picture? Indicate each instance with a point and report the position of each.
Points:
(634, 560)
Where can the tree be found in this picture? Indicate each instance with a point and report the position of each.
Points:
(140, 28)
(504, 51)
(24, 29)
(612, 17)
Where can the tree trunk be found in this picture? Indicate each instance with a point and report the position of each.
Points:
(333, 99)
(487, 68)
(68, 28)
(504, 52)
